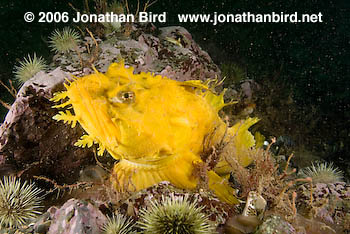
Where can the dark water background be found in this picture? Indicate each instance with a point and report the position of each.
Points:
(311, 59)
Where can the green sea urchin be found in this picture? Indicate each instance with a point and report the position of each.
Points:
(65, 40)
(118, 224)
(174, 215)
(322, 173)
(117, 8)
(233, 72)
(19, 202)
(29, 67)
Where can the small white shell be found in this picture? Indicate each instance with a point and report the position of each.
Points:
(255, 205)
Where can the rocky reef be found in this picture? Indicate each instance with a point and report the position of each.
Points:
(79, 197)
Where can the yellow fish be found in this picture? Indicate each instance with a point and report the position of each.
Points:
(156, 127)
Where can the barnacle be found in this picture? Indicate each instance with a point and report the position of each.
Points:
(29, 67)
(118, 224)
(322, 173)
(174, 215)
(19, 202)
(157, 128)
(65, 40)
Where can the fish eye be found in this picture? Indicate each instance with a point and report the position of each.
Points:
(123, 97)
(126, 96)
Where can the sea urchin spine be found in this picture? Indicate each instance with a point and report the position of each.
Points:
(19, 202)
(29, 67)
(174, 215)
(65, 40)
(118, 224)
(322, 173)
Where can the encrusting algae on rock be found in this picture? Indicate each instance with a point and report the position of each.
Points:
(156, 127)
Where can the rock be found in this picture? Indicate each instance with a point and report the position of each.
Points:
(188, 61)
(77, 216)
(330, 202)
(275, 224)
(240, 224)
(31, 142)
(169, 51)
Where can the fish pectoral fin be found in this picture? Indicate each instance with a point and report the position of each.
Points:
(85, 141)
(66, 117)
(178, 170)
(221, 188)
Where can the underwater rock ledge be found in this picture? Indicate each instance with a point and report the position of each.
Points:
(31, 143)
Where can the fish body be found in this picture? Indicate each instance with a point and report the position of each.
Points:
(156, 127)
